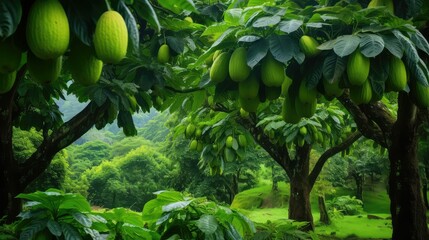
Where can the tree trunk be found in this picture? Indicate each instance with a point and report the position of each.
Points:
(324, 216)
(359, 186)
(299, 203)
(9, 175)
(425, 186)
(407, 208)
(275, 186)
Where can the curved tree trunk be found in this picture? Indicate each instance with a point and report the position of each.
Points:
(359, 185)
(324, 216)
(407, 207)
(299, 202)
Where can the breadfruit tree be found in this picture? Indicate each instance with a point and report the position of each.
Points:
(225, 135)
(354, 51)
(101, 51)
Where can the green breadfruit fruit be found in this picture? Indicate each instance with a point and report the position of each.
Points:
(332, 89)
(397, 79)
(357, 68)
(309, 46)
(361, 94)
(193, 145)
(164, 53)
(188, 19)
(200, 146)
(10, 56)
(272, 93)
(216, 54)
(209, 60)
(238, 68)
(44, 71)
(229, 141)
(198, 133)
(305, 94)
(219, 69)
(289, 113)
(111, 37)
(6, 81)
(249, 88)
(242, 140)
(285, 85)
(190, 130)
(305, 109)
(375, 3)
(85, 68)
(272, 71)
(47, 32)
(303, 131)
(249, 104)
(243, 113)
(421, 94)
(379, 3)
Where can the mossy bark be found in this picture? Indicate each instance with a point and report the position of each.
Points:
(407, 206)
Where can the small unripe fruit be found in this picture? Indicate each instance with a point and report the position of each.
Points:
(361, 94)
(238, 68)
(303, 131)
(357, 68)
(190, 130)
(272, 72)
(6, 81)
(193, 145)
(44, 71)
(84, 66)
(10, 56)
(249, 88)
(219, 69)
(397, 79)
(229, 141)
(164, 53)
(188, 19)
(309, 46)
(242, 140)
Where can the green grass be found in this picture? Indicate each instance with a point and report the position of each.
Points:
(358, 226)
(262, 197)
(254, 203)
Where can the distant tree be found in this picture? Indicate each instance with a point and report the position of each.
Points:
(130, 180)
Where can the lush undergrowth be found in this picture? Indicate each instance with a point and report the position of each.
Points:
(376, 203)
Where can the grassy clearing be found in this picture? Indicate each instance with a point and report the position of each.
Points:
(358, 226)
(254, 204)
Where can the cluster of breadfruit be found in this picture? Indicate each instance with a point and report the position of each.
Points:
(268, 81)
(47, 38)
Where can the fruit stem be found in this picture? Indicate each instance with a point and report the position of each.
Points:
(108, 5)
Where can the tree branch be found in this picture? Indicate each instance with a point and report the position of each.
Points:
(365, 123)
(280, 154)
(59, 139)
(183, 90)
(329, 153)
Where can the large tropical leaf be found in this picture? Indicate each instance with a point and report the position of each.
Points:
(178, 6)
(408, 45)
(257, 51)
(346, 44)
(393, 45)
(290, 25)
(207, 224)
(333, 67)
(281, 47)
(145, 10)
(10, 16)
(371, 45)
(133, 32)
(266, 21)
